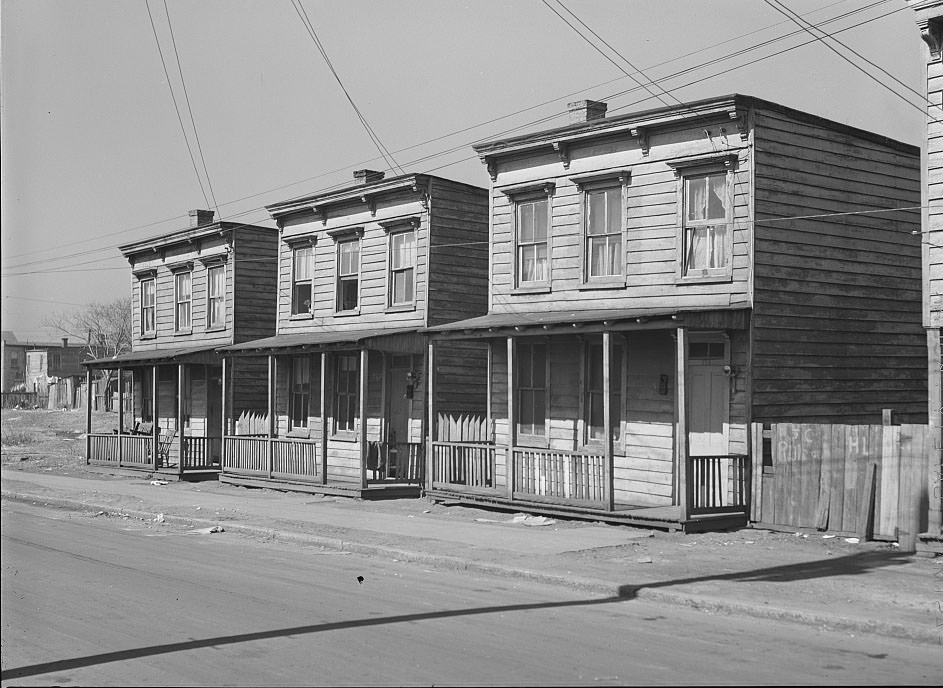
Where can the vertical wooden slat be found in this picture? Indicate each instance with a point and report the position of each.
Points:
(681, 430)
(323, 393)
(823, 502)
(270, 454)
(88, 414)
(607, 419)
(181, 443)
(756, 462)
(155, 430)
(431, 467)
(886, 516)
(223, 392)
(364, 362)
(511, 463)
(836, 491)
(120, 414)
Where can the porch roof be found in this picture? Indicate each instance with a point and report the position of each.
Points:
(190, 354)
(614, 319)
(315, 340)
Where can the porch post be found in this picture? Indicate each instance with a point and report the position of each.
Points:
(155, 429)
(88, 416)
(181, 444)
(271, 414)
(120, 414)
(224, 420)
(681, 427)
(324, 418)
(430, 415)
(509, 461)
(607, 418)
(364, 360)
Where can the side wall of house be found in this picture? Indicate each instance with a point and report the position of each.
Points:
(836, 320)
(255, 280)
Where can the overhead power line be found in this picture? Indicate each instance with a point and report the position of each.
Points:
(173, 97)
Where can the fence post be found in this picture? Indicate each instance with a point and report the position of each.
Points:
(88, 416)
(430, 415)
(681, 440)
(509, 461)
(271, 414)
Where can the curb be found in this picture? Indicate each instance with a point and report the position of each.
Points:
(592, 585)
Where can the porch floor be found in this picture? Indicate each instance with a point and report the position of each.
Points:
(169, 474)
(385, 490)
(660, 517)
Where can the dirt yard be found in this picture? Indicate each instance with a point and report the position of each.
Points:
(47, 440)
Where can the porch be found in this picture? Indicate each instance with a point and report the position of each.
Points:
(632, 420)
(172, 425)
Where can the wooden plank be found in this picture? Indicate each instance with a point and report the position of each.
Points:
(681, 435)
(756, 475)
(825, 478)
(836, 482)
(914, 495)
(853, 461)
(887, 508)
(865, 519)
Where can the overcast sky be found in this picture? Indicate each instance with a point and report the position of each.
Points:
(93, 154)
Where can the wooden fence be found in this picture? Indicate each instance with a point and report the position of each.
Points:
(867, 480)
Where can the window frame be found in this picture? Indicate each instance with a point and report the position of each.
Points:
(142, 281)
(342, 237)
(295, 365)
(586, 185)
(617, 389)
(350, 397)
(517, 197)
(211, 268)
(526, 439)
(178, 274)
(685, 170)
(295, 246)
(394, 229)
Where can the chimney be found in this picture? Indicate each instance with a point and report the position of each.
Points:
(367, 176)
(586, 110)
(199, 218)
(65, 342)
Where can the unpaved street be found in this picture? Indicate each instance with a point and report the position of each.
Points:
(102, 601)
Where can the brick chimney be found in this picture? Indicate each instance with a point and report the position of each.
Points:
(586, 110)
(368, 176)
(198, 218)
(65, 342)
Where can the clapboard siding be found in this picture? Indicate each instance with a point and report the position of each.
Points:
(933, 233)
(255, 279)
(836, 298)
(650, 236)
(458, 280)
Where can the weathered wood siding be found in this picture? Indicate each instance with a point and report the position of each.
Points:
(933, 236)
(255, 282)
(836, 320)
(650, 237)
(461, 377)
(458, 279)
(373, 280)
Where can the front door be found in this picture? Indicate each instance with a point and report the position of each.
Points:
(399, 400)
(709, 398)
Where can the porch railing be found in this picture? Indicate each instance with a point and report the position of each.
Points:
(290, 458)
(135, 450)
(201, 453)
(399, 461)
(562, 475)
(718, 484)
(463, 463)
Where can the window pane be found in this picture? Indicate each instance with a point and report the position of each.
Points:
(348, 294)
(695, 197)
(718, 246)
(540, 267)
(717, 197)
(596, 212)
(540, 221)
(147, 292)
(614, 211)
(303, 263)
(301, 298)
(539, 365)
(525, 216)
(697, 248)
(615, 255)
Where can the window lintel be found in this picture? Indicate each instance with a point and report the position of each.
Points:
(389, 226)
(345, 233)
(546, 188)
(301, 241)
(182, 266)
(727, 160)
(623, 177)
(214, 259)
(145, 274)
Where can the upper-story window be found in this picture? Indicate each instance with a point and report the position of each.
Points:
(533, 241)
(183, 296)
(348, 275)
(302, 279)
(148, 307)
(402, 268)
(216, 297)
(602, 213)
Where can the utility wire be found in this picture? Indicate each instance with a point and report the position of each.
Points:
(173, 97)
(186, 96)
(384, 152)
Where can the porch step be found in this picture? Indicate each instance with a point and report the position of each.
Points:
(930, 544)
(168, 474)
(340, 489)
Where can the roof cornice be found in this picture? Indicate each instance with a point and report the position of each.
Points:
(317, 204)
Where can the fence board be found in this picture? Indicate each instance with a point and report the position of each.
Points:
(885, 518)
(836, 497)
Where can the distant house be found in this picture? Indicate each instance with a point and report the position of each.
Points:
(209, 285)
(362, 270)
(14, 363)
(930, 22)
(46, 362)
(664, 282)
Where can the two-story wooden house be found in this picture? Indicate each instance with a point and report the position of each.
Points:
(661, 280)
(362, 270)
(194, 290)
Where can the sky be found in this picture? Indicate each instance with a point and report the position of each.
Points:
(94, 154)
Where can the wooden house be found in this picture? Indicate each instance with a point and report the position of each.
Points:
(193, 290)
(663, 281)
(361, 271)
(929, 16)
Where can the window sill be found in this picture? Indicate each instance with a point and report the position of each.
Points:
(183, 333)
(301, 316)
(345, 436)
(532, 441)
(347, 314)
(537, 289)
(401, 308)
(148, 337)
(704, 278)
(610, 283)
(299, 433)
(216, 329)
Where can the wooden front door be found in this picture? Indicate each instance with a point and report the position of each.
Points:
(709, 398)
(399, 403)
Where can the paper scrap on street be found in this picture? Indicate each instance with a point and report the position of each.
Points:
(158, 482)
(522, 519)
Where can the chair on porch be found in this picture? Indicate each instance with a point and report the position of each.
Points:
(164, 442)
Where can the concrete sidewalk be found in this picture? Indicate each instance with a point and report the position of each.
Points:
(825, 582)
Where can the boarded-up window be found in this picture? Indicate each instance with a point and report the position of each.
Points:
(148, 307)
(216, 297)
(706, 230)
(182, 295)
(346, 393)
(348, 275)
(302, 273)
(531, 388)
(603, 218)
(532, 242)
(402, 268)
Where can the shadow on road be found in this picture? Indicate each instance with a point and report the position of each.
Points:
(853, 564)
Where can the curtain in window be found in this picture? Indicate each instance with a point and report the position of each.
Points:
(217, 289)
(532, 241)
(183, 301)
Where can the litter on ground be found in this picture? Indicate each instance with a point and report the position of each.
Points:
(158, 482)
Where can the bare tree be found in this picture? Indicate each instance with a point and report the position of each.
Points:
(105, 327)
